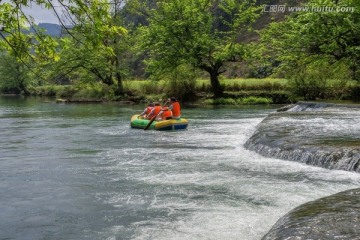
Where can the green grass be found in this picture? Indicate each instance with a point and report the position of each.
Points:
(239, 101)
(200, 81)
(247, 81)
(147, 86)
(237, 91)
(249, 90)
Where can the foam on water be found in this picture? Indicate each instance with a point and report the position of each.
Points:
(210, 187)
(80, 172)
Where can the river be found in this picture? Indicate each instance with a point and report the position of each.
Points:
(78, 171)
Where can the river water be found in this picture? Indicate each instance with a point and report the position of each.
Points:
(80, 172)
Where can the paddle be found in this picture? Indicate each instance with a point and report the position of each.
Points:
(153, 119)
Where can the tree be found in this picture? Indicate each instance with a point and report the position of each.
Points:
(22, 49)
(330, 34)
(96, 43)
(14, 76)
(203, 33)
(28, 47)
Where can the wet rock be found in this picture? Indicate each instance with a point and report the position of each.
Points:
(333, 217)
(285, 108)
(318, 134)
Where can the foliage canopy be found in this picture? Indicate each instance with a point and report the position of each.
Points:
(176, 38)
(204, 34)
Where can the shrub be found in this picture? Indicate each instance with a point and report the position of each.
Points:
(66, 92)
(220, 101)
(203, 87)
(309, 85)
(14, 76)
(254, 100)
(355, 92)
(209, 102)
(47, 90)
(149, 87)
(240, 101)
(181, 83)
(224, 101)
(320, 80)
(93, 91)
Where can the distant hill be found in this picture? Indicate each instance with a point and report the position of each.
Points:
(51, 28)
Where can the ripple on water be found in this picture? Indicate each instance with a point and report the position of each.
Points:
(89, 175)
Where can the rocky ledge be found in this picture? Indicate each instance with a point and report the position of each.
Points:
(319, 134)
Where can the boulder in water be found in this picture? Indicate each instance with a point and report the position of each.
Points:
(333, 217)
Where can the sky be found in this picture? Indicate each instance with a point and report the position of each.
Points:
(40, 14)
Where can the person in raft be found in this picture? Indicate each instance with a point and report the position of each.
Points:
(174, 107)
(165, 114)
(145, 114)
(155, 111)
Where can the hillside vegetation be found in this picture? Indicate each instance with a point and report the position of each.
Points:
(281, 51)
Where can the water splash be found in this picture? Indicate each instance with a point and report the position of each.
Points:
(318, 134)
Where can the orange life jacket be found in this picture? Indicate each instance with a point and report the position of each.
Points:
(156, 111)
(148, 110)
(176, 109)
(166, 113)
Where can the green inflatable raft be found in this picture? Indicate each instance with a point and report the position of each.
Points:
(171, 124)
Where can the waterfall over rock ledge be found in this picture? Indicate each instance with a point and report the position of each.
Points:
(319, 134)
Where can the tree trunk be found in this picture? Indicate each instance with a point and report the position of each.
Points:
(215, 84)
(24, 89)
(120, 87)
(214, 73)
(355, 73)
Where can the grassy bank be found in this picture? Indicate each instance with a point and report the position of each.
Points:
(203, 85)
(236, 91)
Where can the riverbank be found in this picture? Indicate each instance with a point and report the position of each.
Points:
(236, 92)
